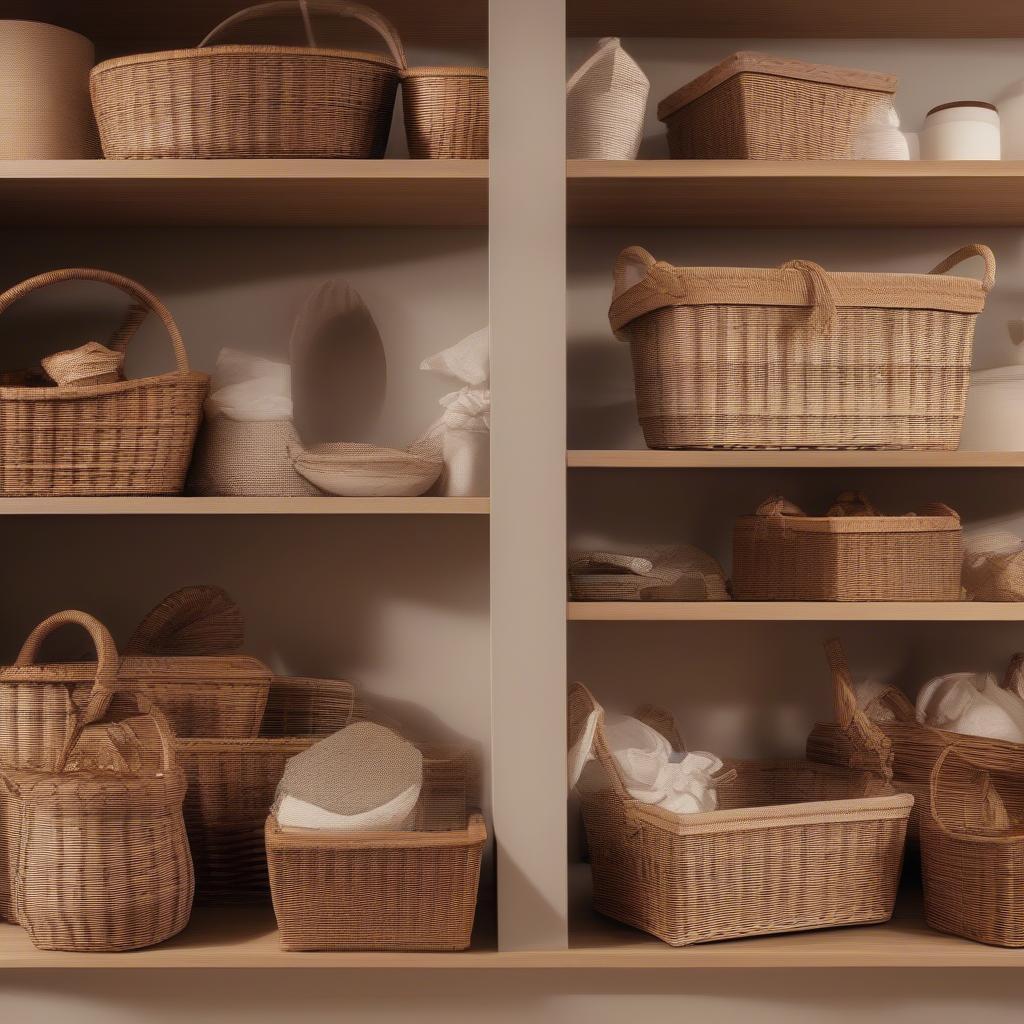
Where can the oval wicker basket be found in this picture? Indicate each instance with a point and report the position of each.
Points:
(447, 113)
(130, 437)
(217, 102)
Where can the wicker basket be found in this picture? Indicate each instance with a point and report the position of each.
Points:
(755, 107)
(852, 553)
(414, 890)
(728, 357)
(447, 114)
(972, 850)
(93, 855)
(217, 102)
(132, 437)
(795, 845)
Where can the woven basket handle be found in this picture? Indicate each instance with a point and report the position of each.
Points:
(824, 307)
(632, 265)
(988, 281)
(339, 8)
(852, 503)
(144, 299)
(778, 506)
(934, 785)
(635, 564)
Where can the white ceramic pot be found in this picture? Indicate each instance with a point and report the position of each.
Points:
(994, 420)
(967, 130)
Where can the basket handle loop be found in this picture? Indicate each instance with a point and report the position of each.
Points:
(778, 506)
(988, 281)
(145, 301)
(852, 503)
(823, 295)
(340, 8)
(632, 265)
(635, 564)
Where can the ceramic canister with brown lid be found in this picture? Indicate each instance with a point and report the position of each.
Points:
(965, 130)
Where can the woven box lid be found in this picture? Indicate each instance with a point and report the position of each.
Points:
(747, 62)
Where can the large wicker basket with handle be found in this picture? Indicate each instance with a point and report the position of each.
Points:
(794, 846)
(252, 101)
(798, 357)
(129, 437)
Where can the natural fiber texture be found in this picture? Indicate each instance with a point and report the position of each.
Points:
(231, 784)
(93, 854)
(852, 553)
(447, 114)
(795, 845)
(993, 567)
(605, 106)
(91, 363)
(972, 850)
(127, 438)
(678, 574)
(412, 890)
(251, 101)
(729, 357)
(365, 470)
(754, 107)
(190, 622)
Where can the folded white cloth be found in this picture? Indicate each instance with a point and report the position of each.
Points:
(393, 816)
(468, 360)
(972, 704)
(248, 387)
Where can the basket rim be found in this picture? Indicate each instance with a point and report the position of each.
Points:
(60, 393)
(239, 50)
(169, 670)
(474, 834)
(445, 71)
(852, 524)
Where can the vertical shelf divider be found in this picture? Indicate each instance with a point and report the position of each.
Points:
(528, 632)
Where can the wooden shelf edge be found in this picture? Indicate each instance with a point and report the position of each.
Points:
(242, 506)
(793, 611)
(651, 459)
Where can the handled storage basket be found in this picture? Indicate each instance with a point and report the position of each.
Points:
(795, 846)
(93, 853)
(409, 890)
(130, 437)
(798, 357)
(217, 102)
(755, 107)
(853, 553)
(447, 113)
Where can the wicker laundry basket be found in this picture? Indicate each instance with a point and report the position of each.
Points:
(93, 854)
(679, 574)
(447, 114)
(755, 107)
(130, 437)
(852, 553)
(794, 846)
(972, 850)
(411, 890)
(216, 102)
(798, 357)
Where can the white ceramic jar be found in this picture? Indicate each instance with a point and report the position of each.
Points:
(966, 130)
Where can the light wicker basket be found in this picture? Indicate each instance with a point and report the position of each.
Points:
(130, 437)
(412, 890)
(795, 845)
(852, 553)
(447, 115)
(798, 357)
(755, 107)
(216, 102)
(93, 854)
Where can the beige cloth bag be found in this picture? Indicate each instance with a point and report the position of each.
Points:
(605, 105)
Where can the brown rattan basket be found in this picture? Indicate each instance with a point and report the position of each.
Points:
(447, 114)
(755, 107)
(852, 553)
(413, 890)
(795, 846)
(216, 102)
(131, 437)
(798, 357)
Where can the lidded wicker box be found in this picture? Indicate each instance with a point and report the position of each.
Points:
(797, 356)
(755, 107)
(852, 553)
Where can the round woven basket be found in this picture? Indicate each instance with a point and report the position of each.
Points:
(447, 113)
(217, 102)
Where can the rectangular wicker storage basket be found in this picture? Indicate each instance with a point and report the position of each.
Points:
(755, 107)
(852, 553)
(447, 116)
(795, 845)
(798, 357)
(413, 890)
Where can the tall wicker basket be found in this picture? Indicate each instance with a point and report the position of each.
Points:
(130, 437)
(447, 116)
(798, 357)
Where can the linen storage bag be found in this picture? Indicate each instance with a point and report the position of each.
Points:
(798, 357)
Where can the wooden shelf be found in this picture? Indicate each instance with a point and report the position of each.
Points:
(794, 611)
(757, 193)
(648, 459)
(251, 193)
(798, 19)
(242, 506)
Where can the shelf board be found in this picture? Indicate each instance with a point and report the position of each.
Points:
(324, 506)
(798, 19)
(649, 459)
(247, 193)
(762, 193)
(794, 611)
